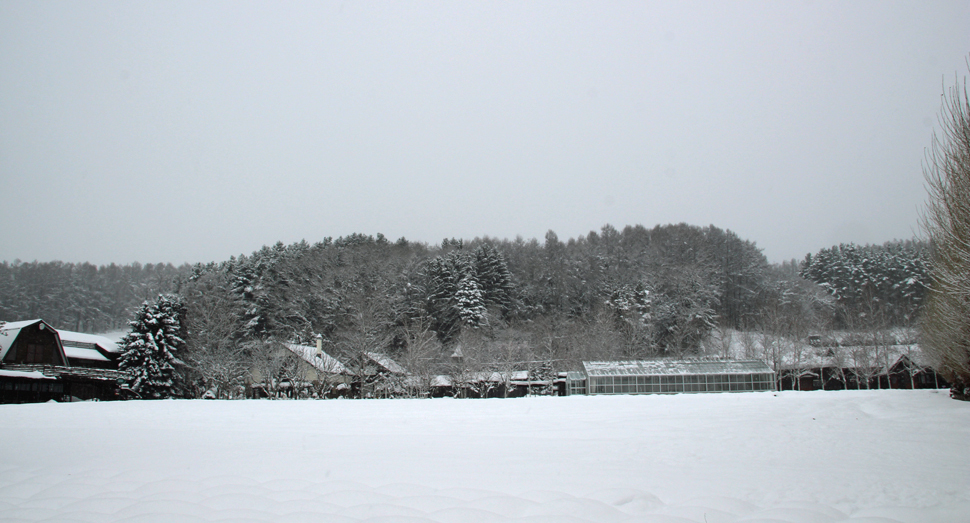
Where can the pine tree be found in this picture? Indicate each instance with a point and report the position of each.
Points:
(492, 273)
(470, 303)
(148, 352)
(444, 275)
(892, 276)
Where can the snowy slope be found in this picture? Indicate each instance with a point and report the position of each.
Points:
(797, 457)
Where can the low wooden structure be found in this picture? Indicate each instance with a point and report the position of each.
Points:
(834, 371)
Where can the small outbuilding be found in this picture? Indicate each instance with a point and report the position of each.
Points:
(670, 377)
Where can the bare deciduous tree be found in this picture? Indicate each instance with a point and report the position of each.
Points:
(946, 221)
(420, 357)
(214, 349)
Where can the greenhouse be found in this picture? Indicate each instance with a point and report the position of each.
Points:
(670, 377)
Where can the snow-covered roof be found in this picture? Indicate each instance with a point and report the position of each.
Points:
(9, 332)
(80, 353)
(492, 377)
(323, 362)
(674, 367)
(444, 380)
(520, 375)
(575, 375)
(17, 325)
(84, 340)
(31, 374)
(849, 357)
(385, 361)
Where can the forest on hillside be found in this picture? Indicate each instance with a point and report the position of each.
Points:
(508, 304)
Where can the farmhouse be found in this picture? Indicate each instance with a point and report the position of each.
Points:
(293, 370)
(321, 364)
(670, 376)
(36, 365)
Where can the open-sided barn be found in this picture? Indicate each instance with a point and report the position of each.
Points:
(838, 367)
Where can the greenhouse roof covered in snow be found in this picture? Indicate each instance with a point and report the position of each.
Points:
(673, 367)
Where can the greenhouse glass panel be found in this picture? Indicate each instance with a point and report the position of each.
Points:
(599, 385)
(673, 376)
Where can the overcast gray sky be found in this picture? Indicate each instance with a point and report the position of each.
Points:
(192, 131)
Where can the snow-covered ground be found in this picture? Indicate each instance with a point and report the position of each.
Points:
(800, 457)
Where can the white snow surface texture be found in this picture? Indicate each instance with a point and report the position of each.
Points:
(796, 457)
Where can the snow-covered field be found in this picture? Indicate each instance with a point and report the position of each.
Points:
(801, 457)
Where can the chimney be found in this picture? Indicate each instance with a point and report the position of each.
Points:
(319, 346)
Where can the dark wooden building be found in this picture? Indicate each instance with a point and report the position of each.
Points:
(906, 373)
(35, 368)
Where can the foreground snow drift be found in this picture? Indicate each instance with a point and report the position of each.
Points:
(796, 457)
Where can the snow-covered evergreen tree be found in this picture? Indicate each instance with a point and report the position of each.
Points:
(149, 351)
(444, 275)
(470, 302)
(893, 276)
(441, 287)
(492, 274)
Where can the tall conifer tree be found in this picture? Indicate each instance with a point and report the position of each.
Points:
(149, 351)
